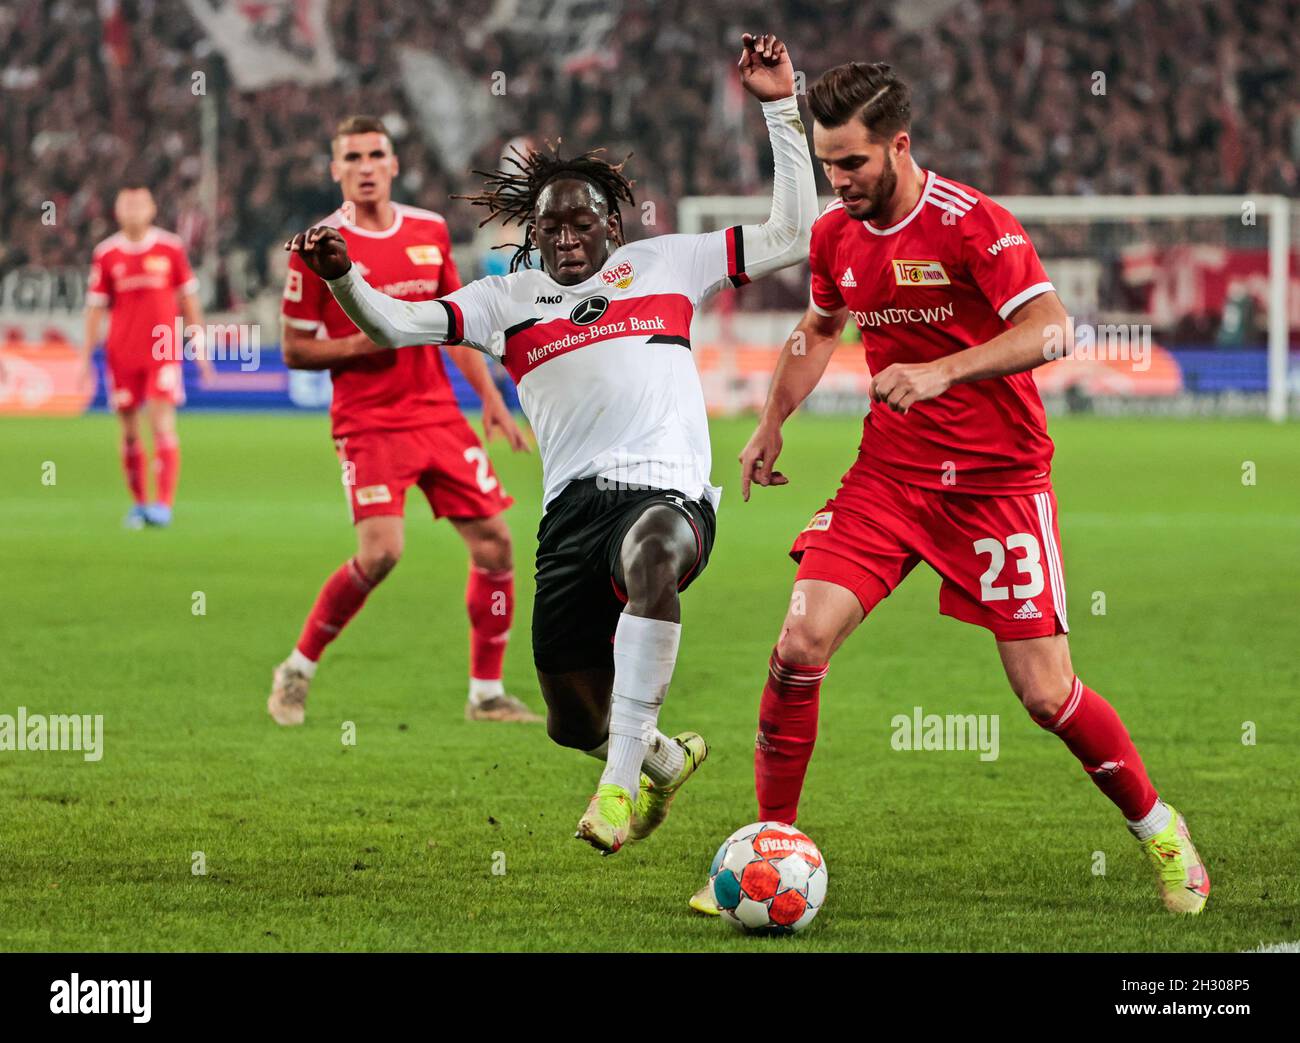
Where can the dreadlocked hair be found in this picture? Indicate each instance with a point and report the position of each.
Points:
(511, 194)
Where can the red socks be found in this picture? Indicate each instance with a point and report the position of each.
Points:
(787, 731)
(338, 601)
(1091, 728)
(489, 597)
(133, 466)
(490, 601)
(167, 459)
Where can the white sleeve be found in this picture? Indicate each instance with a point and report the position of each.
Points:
(733, 256)
(782, 240)
(470, 315)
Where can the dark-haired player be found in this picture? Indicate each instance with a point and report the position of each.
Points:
(599, 343)
(954, 465)
(136, 275)
(396, 424)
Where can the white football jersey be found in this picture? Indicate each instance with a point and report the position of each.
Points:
(604, 368)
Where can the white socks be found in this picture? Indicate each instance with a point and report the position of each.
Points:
(664, 760)
(645, 652)
(1155, 820)
(662, 763)
(298, 661)
(480, 689)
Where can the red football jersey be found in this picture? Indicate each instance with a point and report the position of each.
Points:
(138, 283)
(388, 390)
(944, 278)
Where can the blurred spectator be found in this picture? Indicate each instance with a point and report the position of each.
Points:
(1201, 96)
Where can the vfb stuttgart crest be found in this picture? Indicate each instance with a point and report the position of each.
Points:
(586, 312)
(619, 276)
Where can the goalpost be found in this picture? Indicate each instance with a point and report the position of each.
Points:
(1207, 283)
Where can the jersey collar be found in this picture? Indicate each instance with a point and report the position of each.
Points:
(391, 230)
(141, 246)
(920, 202)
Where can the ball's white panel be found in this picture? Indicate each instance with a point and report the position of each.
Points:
(752, 914)
(817, 886)
(738, 855)
(794, 872)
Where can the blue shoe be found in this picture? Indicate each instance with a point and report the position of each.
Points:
(158, 514)
(136, 518)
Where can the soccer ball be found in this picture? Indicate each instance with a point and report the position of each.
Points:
(768, 878)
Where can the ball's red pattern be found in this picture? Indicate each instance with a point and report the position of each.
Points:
(760, 880)
(786, 908)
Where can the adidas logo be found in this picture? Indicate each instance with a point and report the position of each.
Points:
(1028, 611)
(847, 280)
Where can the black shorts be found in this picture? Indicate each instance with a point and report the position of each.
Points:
(578, 600)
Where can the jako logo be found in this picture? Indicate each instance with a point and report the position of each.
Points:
(555, 299)
(999, 245)
(75, 996)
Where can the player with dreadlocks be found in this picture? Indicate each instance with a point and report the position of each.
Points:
(598, 341)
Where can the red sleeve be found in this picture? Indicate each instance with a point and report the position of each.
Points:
(825, 292)
(1000, 258)
(182, 275)
(303, 303)
(99, 288)
(450, 279)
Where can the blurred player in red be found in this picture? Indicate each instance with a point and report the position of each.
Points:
(135, 276)
(396, 424)
(953, 469)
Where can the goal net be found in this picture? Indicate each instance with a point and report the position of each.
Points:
(1181, 305)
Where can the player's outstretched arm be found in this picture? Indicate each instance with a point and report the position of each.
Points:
(385, 320)
(803, 360)
(782, 240)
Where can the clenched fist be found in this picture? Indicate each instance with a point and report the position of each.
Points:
(323, 250)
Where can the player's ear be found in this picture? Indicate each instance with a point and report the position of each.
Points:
(335, 174)
(902, 144)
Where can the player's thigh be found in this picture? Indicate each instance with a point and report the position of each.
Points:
(575, 606)
(1000, 563)
(488, 541)
(457, 477)
(166, 385)
(821, 616)
(377, 469)
(661, 552)
(127, 388)
(851, 555)
(1040, 672)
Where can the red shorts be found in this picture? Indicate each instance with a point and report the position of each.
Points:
(998, 556)
(130, 386)
(447, 462)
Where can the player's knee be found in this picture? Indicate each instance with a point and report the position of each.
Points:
(575, 732)
(1042, 695)
(494, 551)
(802, 644)
(379, 560)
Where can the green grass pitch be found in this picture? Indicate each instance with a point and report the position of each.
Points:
(397, 842)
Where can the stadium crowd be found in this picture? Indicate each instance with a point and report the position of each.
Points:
(1198, 96)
